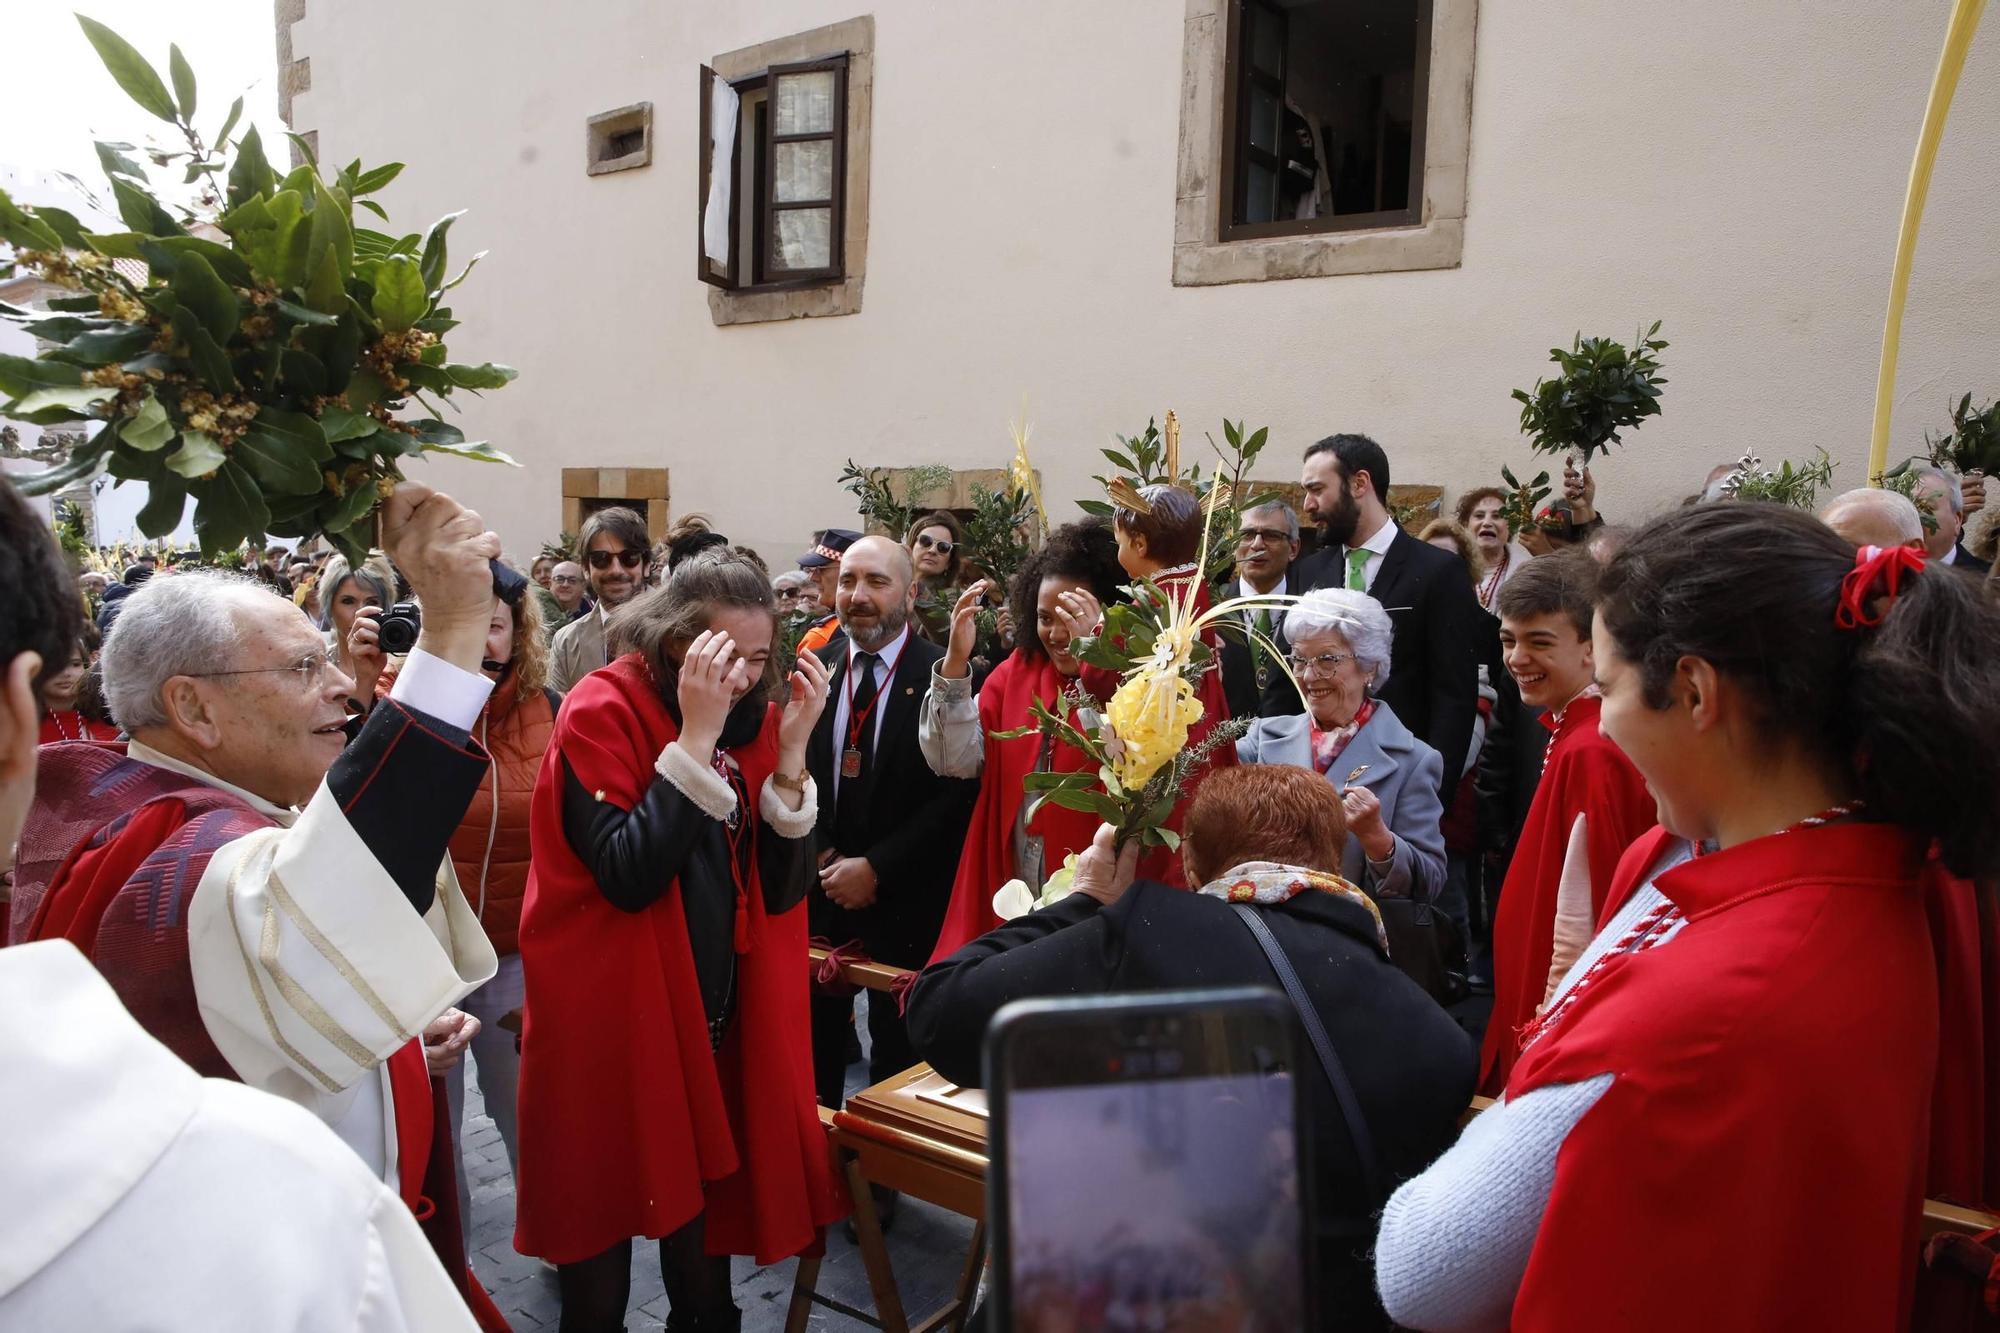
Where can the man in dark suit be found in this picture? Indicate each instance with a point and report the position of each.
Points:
(1944, 495)
(1433, 680)
(890, 830)
(1267, 549)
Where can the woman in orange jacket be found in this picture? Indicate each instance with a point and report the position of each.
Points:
(490, 849)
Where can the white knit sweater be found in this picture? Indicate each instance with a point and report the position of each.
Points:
(1455, 1241)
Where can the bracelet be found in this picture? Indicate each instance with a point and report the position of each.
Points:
(789, 783)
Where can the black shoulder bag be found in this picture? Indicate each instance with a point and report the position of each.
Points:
(1329, 1060)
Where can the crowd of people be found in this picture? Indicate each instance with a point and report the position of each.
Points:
(1705, 804)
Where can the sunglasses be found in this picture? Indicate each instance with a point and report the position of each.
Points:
(927, 542)
(603, 559)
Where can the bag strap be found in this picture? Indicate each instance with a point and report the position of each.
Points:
(1329, 1060)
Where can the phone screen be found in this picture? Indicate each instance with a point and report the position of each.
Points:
(1162, 1195)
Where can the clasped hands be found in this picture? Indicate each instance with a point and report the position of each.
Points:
(848, 880)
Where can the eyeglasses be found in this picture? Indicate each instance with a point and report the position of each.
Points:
(926, 542)
(628, 559)
(565, 579)
(1325, 664)
(311, 670)
(1268, 536)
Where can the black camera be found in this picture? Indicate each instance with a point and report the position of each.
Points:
(399, 627)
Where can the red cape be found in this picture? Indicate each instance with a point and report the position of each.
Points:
(629, 1125)
(1583, 773)
(1758, 1161)
(988, 859)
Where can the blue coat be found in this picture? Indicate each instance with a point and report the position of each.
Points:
(1404, 773)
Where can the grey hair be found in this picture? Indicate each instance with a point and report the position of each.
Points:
(1946, 482)
(1279, 507)
(1354, 616)
(338, 571)
(178, 624)
(791, 578)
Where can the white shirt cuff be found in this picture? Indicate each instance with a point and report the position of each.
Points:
(448, 693)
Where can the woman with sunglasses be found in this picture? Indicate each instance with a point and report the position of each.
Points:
(937, 548)
(1720, 1118)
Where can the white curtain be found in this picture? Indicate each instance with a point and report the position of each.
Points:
(723, 114)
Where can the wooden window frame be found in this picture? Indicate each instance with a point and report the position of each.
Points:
(768, 206)
(1235, 174)
(765, 207)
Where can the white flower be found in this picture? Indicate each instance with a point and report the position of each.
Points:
(1014, 899)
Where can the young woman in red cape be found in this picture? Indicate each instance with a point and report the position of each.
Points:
(666, 1069)
(1720, 1119)
(956, 727)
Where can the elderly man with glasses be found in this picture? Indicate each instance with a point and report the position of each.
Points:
(1267, 548)
(616, 548)
(566, 586)
(271, 901)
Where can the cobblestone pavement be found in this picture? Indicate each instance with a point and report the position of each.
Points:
(926, 1246)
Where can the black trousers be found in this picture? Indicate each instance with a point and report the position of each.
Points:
(890, 1051)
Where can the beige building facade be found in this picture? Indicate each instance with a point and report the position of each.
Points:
(972, 208)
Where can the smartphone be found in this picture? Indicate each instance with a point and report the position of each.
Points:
(1146, 1165)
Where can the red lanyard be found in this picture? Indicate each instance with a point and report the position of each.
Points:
(855, 722)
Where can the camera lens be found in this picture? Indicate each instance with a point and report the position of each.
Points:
(400, 626)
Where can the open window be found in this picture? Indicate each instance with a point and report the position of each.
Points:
(1323, 116)
(774, 176)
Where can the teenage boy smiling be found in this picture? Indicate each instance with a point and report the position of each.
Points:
(1590, 799)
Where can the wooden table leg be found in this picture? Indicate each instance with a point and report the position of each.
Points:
(804, 1283)
(968, 1282)
(874, 1253)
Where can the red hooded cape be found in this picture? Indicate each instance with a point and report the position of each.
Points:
(629, 1125)
(1758, 1161)
(1582, 774)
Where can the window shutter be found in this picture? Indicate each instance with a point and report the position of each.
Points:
(715, 224)
(804, 164)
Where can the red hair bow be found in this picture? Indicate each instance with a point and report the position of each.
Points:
(1877, 570)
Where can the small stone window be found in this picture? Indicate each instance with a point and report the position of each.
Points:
(620, 140)
(585, 490)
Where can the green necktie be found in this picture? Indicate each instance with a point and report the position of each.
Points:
(1257, 642)
(1357, 568)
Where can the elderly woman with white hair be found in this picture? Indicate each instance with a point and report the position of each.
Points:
(1388, 779)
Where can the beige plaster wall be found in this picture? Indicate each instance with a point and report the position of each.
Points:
(1735, 170)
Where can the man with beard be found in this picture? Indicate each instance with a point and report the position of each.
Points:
(891, 829)
(1433, 683)
(615, 547)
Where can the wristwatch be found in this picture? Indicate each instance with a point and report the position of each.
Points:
(789, 783)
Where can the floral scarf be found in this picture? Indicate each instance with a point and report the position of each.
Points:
(1269, 883)
(1327, 745)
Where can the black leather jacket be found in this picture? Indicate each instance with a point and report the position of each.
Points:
(666, 839)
